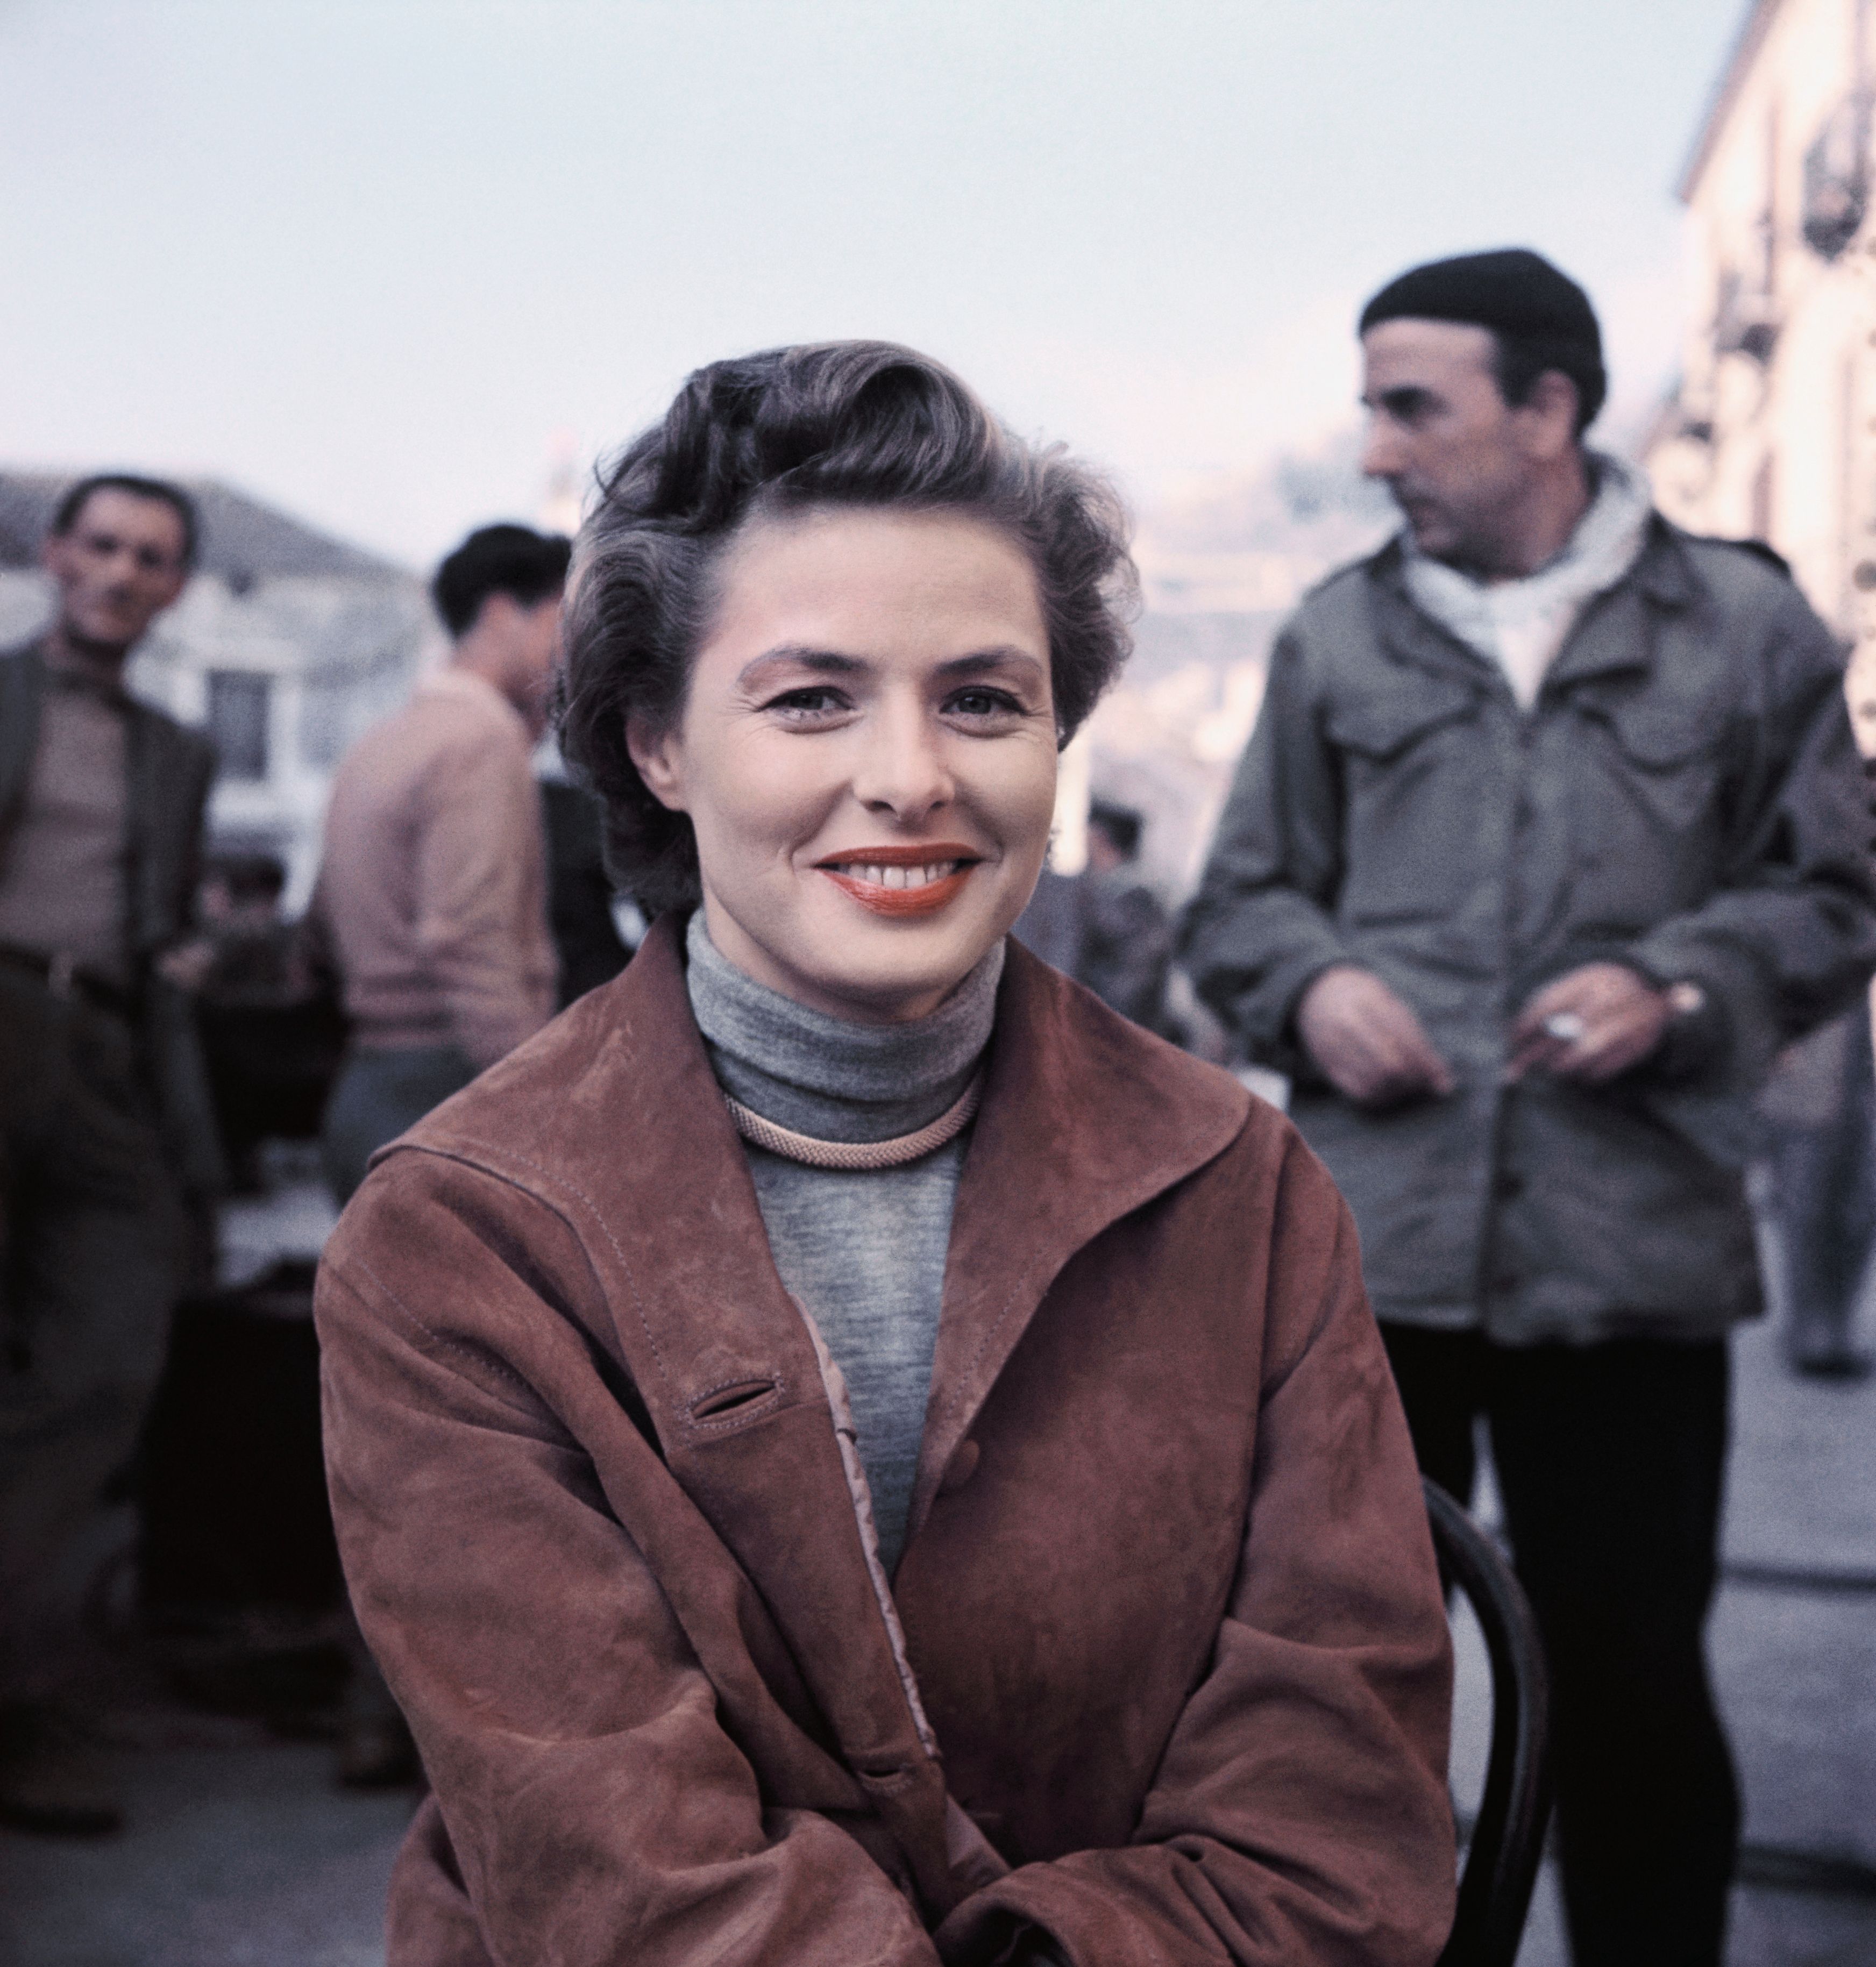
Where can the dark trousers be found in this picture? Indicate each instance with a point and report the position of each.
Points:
(377, 1096)
(92, 1245)
(1610, 1459)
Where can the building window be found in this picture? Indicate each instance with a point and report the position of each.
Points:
(323, 722)
(238, 721)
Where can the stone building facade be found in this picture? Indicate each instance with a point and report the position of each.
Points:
(1771, 433)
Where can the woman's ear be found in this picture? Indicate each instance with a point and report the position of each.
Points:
(659, 758)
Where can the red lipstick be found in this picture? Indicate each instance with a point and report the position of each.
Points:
(854, 872)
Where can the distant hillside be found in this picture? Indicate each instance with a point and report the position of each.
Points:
(1220, 571)
(1256, 543)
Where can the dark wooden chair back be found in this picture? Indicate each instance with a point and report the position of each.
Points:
(1507, 1840)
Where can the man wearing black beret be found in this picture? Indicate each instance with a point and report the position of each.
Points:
(1549, 836)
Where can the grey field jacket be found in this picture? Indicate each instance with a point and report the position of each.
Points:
(1683, 797)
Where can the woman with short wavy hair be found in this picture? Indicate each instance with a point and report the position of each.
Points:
(846, 1450)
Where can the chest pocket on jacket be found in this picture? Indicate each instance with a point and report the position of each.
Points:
(1664, 752)
(1408, 755)
(1646, 800)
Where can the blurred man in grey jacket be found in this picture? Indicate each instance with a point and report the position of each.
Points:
(105, 1129)
(1549, 834)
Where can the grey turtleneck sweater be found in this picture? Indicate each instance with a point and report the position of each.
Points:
(865, 1253)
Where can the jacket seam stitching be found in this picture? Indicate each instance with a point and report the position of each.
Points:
(491, 1361)
(571, 1188)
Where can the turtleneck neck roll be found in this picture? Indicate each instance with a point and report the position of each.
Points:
(863, 1251)
(829, 1077)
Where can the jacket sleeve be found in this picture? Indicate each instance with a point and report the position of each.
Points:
(1258, 930)
(1788, 937)
(1299, 1817)
(480, 872)
(593, 1808)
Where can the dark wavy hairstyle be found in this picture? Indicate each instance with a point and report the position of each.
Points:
(861, 424)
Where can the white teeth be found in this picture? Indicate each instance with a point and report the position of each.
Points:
(878, 877)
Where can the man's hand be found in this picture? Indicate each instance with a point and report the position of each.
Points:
(1589, 1024)
(1366, 1040)
(187, 965)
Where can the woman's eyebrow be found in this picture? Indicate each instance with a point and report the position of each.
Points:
(825, 662)
(833, 662)
(981, 660)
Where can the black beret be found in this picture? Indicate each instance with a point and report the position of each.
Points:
(1513, 292)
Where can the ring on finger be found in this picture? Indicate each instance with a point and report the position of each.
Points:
(1566, 1027)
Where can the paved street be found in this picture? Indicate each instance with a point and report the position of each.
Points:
(242, 1853)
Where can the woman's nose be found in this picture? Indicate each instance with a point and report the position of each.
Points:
(902, 769)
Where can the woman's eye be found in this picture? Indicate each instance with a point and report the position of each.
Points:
(979, 701)
(812, 701)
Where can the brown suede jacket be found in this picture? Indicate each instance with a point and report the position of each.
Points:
(1167, 1627)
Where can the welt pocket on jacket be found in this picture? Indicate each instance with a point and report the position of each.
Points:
(721, 1408)
(1381, 724)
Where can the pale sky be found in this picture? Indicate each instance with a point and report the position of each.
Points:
(368, 258)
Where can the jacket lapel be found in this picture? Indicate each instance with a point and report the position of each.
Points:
(1612, 635)
(168, 771)
(727, 1371)
(1085, 1118)
(1615, 634)
(1412, 637)
(22, 689)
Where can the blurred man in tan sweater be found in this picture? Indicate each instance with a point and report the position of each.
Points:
(432, 898)
(431, 908)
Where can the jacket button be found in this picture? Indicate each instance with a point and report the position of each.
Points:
(1505, 1283)
(1509, 1186)
(960, 1468)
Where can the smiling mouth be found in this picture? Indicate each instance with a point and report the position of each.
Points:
(901, 880)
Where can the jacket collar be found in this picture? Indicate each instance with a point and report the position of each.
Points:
(1610, 636)
(1410, 635)
(1085, 1118)
(612, 1119)
(1615, 634)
